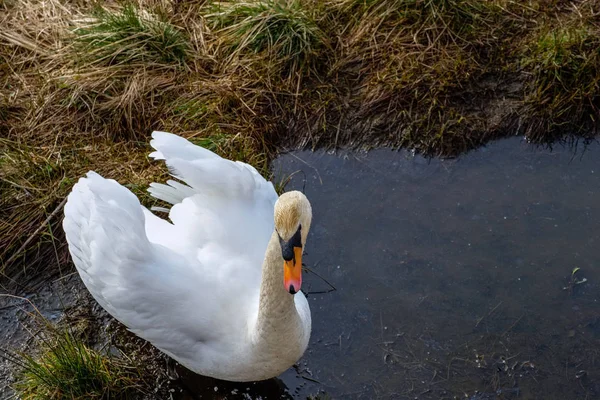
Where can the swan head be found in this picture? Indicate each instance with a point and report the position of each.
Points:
(293, 215)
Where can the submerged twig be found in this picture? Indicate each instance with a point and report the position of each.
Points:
(310, 379)
(488, 314)
(513, 325)
(332, 288)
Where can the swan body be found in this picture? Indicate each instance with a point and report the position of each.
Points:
(207, 287)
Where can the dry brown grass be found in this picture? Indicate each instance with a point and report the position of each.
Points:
(82, 87)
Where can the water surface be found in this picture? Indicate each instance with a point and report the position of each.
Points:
(437, 279)
(452, 277)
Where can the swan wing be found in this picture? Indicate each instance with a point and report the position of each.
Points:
(179, 303)
(187, 284)
(221, 203)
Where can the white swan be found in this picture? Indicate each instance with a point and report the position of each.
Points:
(218, 287)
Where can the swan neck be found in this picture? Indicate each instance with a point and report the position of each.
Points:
(277, 311)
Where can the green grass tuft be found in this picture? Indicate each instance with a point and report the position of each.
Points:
(565, 66)
(67, 369)
(286, 29)
(129, 35)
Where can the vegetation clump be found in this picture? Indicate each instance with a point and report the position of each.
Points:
(68, 369)
(69, 357)
(285, 30)
(563, 94)
(128, 35)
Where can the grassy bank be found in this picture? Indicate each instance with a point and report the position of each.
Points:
(82, 86)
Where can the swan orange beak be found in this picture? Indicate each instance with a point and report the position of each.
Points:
(292, 272)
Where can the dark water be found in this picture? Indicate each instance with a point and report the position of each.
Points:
(453, 279)
(451, 275)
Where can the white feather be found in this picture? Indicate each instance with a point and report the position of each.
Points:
(178, 283)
